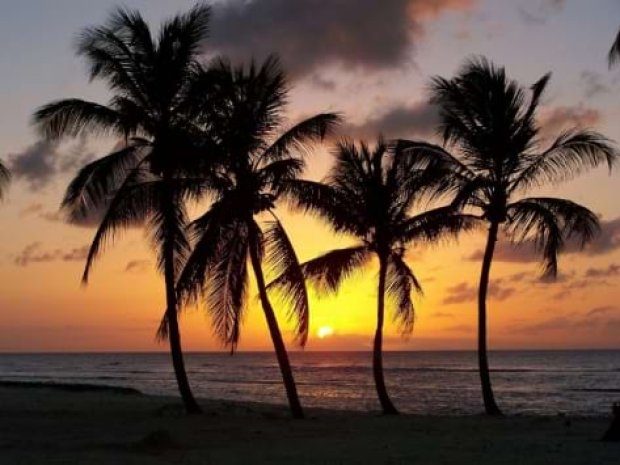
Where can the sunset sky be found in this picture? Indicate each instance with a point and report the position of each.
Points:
(372, 61)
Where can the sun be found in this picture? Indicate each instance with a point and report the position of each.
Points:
(325, 331)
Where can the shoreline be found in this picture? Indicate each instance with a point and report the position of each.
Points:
(102, 426)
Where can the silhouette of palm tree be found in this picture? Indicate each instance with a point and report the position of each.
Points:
(369, 194)
(488, 119)
(149, 178)
(614, 52)
(245, 117)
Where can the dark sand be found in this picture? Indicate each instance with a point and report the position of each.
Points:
(56, 425)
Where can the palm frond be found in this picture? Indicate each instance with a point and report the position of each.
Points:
(226, 286)
(94, 184)
(134, 201)
(207, 233)
(302, 135)
(433, 225)
(568, 156)
(324, 201)
(167, 226)
(548, 223)
(423, 154)
(75, 117)
(273, 175)
(282, 261)
(614, 52)
(400, 284)
(5, 179)
(327, 272)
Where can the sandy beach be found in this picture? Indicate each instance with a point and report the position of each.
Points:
(43, 425)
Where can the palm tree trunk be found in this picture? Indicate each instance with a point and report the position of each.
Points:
(174, 336)
(490, 406)
(276, 337)
(377, 354)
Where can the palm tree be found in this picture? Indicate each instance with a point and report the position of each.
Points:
(244, 114)
(490, 121)
(614, 52)
(149, 178)
(369, 195)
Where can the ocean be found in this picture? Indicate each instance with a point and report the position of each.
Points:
(442, 383)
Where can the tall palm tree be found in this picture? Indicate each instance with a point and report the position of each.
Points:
(369, 195)
(491, 123)
(245, 117)
(614, 52)
(149, 178)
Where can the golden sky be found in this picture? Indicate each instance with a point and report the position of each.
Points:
(44, 308)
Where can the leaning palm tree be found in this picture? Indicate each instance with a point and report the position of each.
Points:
(614, 52)
(369, 195)
(244, 115)
(490, 121)
(149, 178)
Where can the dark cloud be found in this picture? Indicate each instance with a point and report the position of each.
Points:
(611, 270)
(34, 253)
(38, 164)
(538, 13)
(419, 120)
(310, 33)
(92, 220)
(137, 266)
(607, 241)
(464, 292)
(594, 84)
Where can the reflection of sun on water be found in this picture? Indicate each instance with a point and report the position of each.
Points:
(325, 331)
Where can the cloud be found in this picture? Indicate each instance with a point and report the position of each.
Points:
(419, 119)
(308, 34)
(597, 321)
(92, 220)
(554, 120)
(594, 84)
(607, 241)
(611, 270)
(34, 253)
(464, 292)
(35, 164)
(137, 266)
(539, 13)
(38, 164)
(602, 310)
